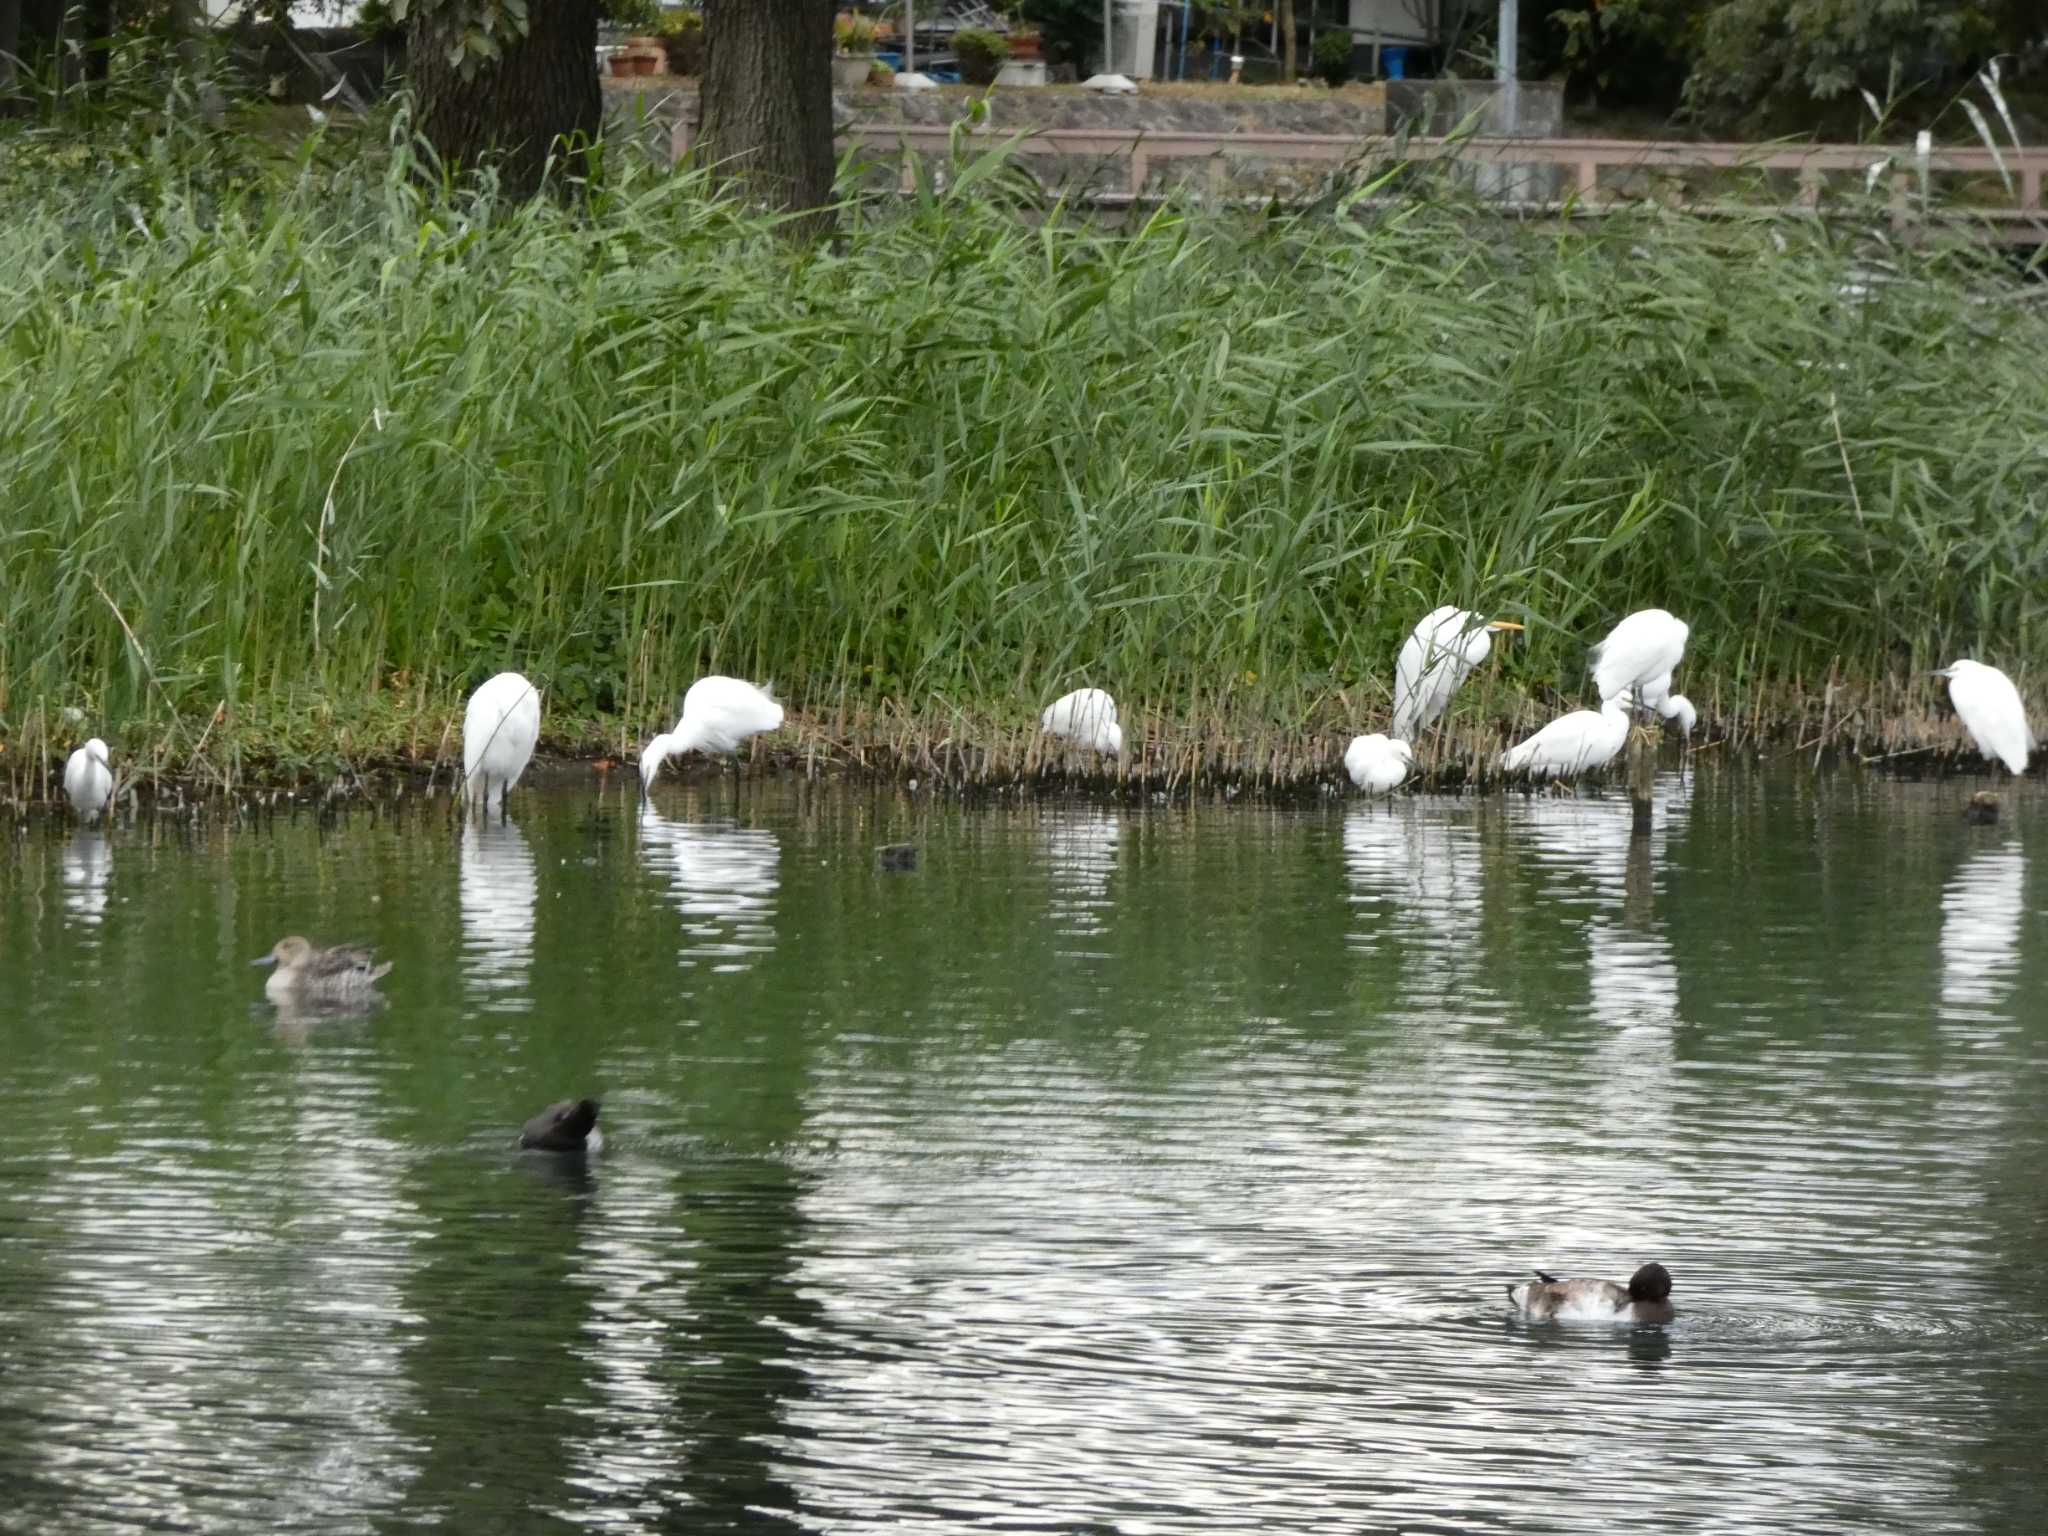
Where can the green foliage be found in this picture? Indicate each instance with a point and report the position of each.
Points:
(315, 434)
(1070, 31)
(682, 34)
(981, 54)
(1628, 51)
(478, 30)
(1765, 59)
(1333, 57)
(854, 33)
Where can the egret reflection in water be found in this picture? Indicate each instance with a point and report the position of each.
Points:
(722, 879)
(87, 862)
(498, 891)
(1416, 879)
(1981, 909)
(1081, 846)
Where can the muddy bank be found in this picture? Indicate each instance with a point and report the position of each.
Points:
(1232, 747)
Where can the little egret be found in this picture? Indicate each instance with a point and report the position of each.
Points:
(1377, 764)
(1645, 1299)
(570, 1126)
(1436, 657)
(1087, 715)
(305, 972)
(88, 780)
(1986, 702)
(718, 714)
(499, 730)
(1640, 652)
(1572, 744)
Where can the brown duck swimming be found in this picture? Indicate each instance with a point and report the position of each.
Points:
(570, 1126)
(307, 973)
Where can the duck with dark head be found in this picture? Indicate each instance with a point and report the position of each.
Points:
(1645, 1299)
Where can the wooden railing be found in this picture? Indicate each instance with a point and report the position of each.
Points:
(2006, 187)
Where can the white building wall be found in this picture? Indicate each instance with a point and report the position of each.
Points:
(1399, 23)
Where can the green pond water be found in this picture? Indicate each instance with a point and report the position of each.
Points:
(1135, 1170)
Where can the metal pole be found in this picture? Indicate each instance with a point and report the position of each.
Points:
(909, 35)
(1108, 41)
(1510, 119)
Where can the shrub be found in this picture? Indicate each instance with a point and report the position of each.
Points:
(1333, 57)
(981, 54)
(854, 34)
(682, 34)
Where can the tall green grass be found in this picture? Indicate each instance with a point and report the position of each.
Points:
(325, 449)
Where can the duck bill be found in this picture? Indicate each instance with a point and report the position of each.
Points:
(266, 960)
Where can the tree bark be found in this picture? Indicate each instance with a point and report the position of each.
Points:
(1283, 18)
(515, 111)
(767, 101)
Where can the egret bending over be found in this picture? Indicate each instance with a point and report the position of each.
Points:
(1656, 694)
(1572, 744)
(88, 780)
(1087, 715)
(1641, 652)
(718, 714)
(1437, 656)
(1377, 764)
(499, 730)
(1986, 701)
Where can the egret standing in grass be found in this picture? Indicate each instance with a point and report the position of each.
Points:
(499, 730)
(719, 713)
(1572, 744)
(1640, 654)
(1986, 702)
(1378, 764)
(1087, 715)
(88, 780)
(1437, 656)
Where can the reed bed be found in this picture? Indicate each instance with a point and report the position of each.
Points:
(293, 453)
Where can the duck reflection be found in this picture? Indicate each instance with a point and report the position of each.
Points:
(498, 891)
(722, 879)
(1981, 909)
(87, 862)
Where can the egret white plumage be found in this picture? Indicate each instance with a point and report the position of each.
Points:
(1087, 715)
(1377, 763)
(719, 713)
(1438, 655)
(1572, 744)
(499, 730)
(1656, 694)
(1641, 652)
(88, 779)
(1989, 706)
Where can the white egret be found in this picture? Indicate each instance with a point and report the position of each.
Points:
(499, 730)
(306, 972)
(1645, 1299)
(1438, 655)
(1087, 715)
(1377, 764)
(1572, 744)
(718, 714)
(88, 780)
(570, 1126)
(1641, 652)
(1989, 706)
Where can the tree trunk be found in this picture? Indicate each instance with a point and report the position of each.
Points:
(514, 111)
(767, 101)
(1283, 17)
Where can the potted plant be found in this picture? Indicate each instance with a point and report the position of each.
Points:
(856, 38)
(981, 54)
